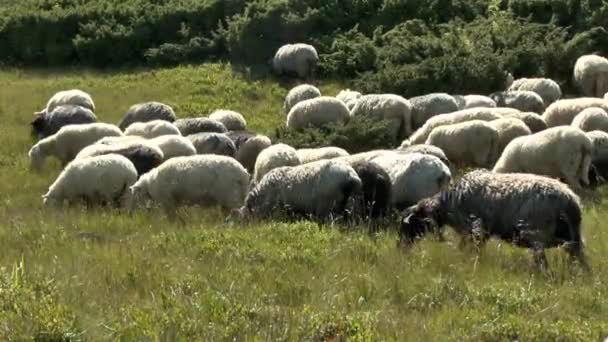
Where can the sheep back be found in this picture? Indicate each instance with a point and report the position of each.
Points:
(48, 123)
(591, 75)
(189, 126)
(272, 157)
(298, 94)
(308, 155)
(546, 88)
(147, 111)
(562, 112)
(591, 119)
(318, 112)
(232, 120)
(213, 143)
(390, 107)
(426, 106)
(299, 59)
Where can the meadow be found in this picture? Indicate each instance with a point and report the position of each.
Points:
(78, 274)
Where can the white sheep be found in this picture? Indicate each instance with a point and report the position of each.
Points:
(248, 146)
(534, 121)
(75, 97)
(298, 94)
(523, 100)
(349, 97)
(199, 179)
(472, 101)
(232, 120)
(318, 112)
(152, 129)
(547, 88)
(213, 143)
(591, 75)
(414, 176)
(426, 106)
(68, 141)
(562, 112)
(564, 152)
(473, 143)
(478, 113)
(272, 157)
(97, 179)
(173, 146)
(508, 129)
(308, 155)
(299, 59)
(390, 107)
(147, 111)
(591, 119)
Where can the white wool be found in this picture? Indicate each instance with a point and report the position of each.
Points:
(173, 146)
(308, 155)
(147, 111)
(69, 140)
(300, 93)
(473, 101)
(546, 88)
(591, 119)
(426, 106)
(97, 179)
(562, 112)
(390, 107)
(199, 179)
(232, 120)
(508, 129)
(591, 75)
(563, 152)
(272, 157)
(70, 97)
(300, 59)
(213, 143)
(349, 97)
(534, 121)
(152, 129)
(473, 143)
(318, 112)
(599, 141)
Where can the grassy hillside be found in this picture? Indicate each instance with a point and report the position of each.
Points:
(99, 274)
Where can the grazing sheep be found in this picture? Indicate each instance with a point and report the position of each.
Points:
(562, 112)
(143, 155)
(213, 143)
(96, 179)
(546, 88)
(563, 152)
(232, 120)
(591, 119)
(152, 129)
(523, 100)
(189, 126)
(534, 121)
(473, 143)
(508, 129)
(527, 210)
(479, 113)
(48, 123)
(598, 173)
(147, 111)
(308, 155)
(200, 179)
(392, 108)
(295, 59)
(473, 101)
(349, 97)
(68, 141)
(74, 97)
(318, 112)
(318, 189)
(426, 106)
(591, 75)
(248, 146)
(424, 149)
(300, 93)
(272, 157)
(413, 176)
(173, 146)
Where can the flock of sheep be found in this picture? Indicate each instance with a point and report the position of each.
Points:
(533, 150)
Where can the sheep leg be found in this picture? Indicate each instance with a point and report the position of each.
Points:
(540, 259)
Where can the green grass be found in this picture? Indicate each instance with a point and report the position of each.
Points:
(103, 275)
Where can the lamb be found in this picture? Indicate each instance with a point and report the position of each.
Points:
(413, 176)
(199, 179)
(473, 143)
(68, 141)
(349, 97)
(426, 106)
(527, 210)
(272, 157)
(189, 126)
(74, 97)
(563, 152)
(98, 180)
(534, 121)
(232, 120)
(546, 88)
(591, 75)
(308, 155)
(591, 119)
(152, 129)
(299, 94)
(508, 129)
(147, 111)
(318, 112)
(562, 112)
(390, 107)
(473, 101)
(319, 189)
(143, 155)
(48, 123)
(173, 146)
(248, 146)
(213, 143)
(485, 114)
(299, 59)
(523, 100)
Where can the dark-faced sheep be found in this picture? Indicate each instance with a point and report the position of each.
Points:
(48, 123)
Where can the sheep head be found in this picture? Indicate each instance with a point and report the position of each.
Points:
(417, 221)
